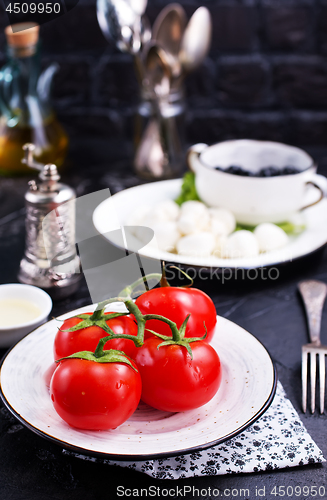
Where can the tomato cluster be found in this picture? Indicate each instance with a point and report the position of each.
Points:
(107, 362)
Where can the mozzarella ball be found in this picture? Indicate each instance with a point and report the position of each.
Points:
(196, 245)
(166, 235)
(195, 207)
(225, 216)
(153, 218)
(218, 228)
(167, 209)
(194, 217)
(241, 244)
(220, 244)
(270, 237)
(137, 217)
(187, 224)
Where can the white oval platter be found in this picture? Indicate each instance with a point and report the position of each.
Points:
(123, 203)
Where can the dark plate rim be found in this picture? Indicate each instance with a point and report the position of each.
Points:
(141, 457)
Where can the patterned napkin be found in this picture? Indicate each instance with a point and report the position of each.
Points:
(277, 440)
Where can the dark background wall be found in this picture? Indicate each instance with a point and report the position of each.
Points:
(265, 77)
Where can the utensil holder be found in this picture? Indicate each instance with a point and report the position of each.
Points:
(159, 135)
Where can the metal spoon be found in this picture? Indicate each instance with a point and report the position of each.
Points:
(138, 6)
(158, 70)
(196, 40)
(168, 30)
(122, 24)
(159, 153)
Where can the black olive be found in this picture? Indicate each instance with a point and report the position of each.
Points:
(269, 172)
(289, 170)
(236, 170)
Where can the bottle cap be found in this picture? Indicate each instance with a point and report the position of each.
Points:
(22, 34)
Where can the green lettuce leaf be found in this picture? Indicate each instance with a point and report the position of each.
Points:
(188, 191)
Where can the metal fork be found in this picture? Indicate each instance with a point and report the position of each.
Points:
(313, 295)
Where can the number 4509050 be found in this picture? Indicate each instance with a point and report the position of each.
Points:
(40, 8)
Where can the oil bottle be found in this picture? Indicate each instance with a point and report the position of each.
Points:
(26, 113)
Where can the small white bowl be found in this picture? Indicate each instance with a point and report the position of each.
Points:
(256, 199)
(9, 335)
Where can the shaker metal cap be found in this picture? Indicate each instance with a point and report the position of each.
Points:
(22, 35)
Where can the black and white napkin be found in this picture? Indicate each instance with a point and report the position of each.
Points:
(275, 441)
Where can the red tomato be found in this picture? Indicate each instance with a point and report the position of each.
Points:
(86, 339)
(175, 304)
(95, 396)
(172, 381)
(48, 374)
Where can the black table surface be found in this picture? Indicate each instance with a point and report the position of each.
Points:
(32, 468)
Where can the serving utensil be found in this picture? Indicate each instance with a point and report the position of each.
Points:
(163, 57)
(151, 155)
(168, 30)
(160, 151)
(138, 6)
(185, 45)
(158, 70)
(313, 294)
(196, 40)
(124, 23)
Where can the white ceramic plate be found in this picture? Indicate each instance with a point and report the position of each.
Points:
(247, 389)
(124, 202)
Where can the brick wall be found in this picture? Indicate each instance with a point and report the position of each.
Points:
(265, 77)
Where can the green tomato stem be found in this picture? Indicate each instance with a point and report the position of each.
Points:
(97, 315)
(185, 274)
(127, 291)
(98, 353)
(140, 319)
(102, 305)
(171, 324)
(163, 282)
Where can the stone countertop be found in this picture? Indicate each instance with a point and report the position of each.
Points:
(32, 468)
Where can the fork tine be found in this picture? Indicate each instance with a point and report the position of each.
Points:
(322, 376)
(313, 371)
(304, 380)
